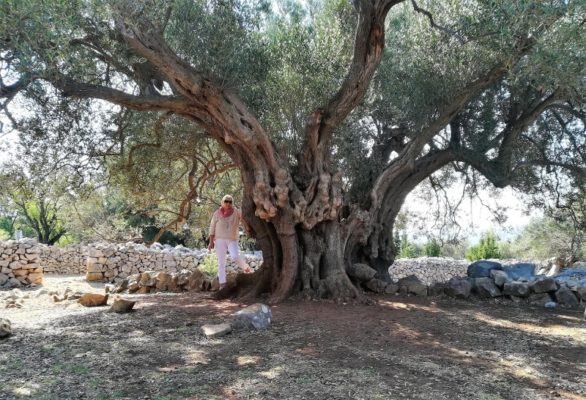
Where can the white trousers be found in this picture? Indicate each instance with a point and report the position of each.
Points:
(222, 246)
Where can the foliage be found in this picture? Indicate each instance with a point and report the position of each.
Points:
(408, 249)
(487, 248)
(209, 265)
(432, 249)
(547, 237)
(4, 235)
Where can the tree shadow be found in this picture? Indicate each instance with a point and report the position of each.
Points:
(400, 347)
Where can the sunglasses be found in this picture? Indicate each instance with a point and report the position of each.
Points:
(228, 201)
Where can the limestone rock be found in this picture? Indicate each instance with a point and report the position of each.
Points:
(196, 280)
(391, 288)
(94, 276)
(121, 305)
(412, 285)
(459, 288)
(500, 277)
(361, 272)
(566, 297)
(581, 290)
(517, 289)
(436, 289)
(376, 285)
(482, 268)
(3, 279)
(255, 317)
(5, 328)
(540, 299)
(213, 331)
(93, 300)
(543, 285)
(485, 287)
(521, 270)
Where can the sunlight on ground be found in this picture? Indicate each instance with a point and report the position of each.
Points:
(194, 357)
(247, 360)
(521, 370)
(550, 330)
(395, 305)
(272, 373)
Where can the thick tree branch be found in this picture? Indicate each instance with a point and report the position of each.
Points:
(368, 49)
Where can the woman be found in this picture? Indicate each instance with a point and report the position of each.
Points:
(224, 236)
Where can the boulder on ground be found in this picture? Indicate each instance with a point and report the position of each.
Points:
(93, 300)
(458, 288)
(566, 297)
(412, 285)
(543, 284)
(521, 271)
(94, 276)
(500, 277)
(122, 306)
(196, 280)
(5, 328)
(581, 290)
(485, 287)
(539, 299)
(255, 317)
(436, 289)
(516, 289)
(391, 288)
(376, 285)
(361, 272)
(482, 268)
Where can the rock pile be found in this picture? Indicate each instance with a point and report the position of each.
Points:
(117, 263)
(19, 264)
(161, 281)
(519, 282)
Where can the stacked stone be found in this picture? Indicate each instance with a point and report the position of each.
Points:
(19, 264)
(63, 260)
(520, 283)
(115, 263)
(429, 270)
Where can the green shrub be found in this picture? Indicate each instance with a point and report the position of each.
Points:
(432, 249)
(487, 248)
(4, 235)
(209, 265)
(408, 249)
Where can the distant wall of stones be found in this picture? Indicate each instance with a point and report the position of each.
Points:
(63, 260)
(115, 263)
(19, 264)
(429, 270)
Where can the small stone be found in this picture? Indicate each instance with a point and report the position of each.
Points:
(121, 305)
(93, 300)
(5, 328)
(213, 331)
(551, 304)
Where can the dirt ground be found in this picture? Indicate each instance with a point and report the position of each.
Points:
(401, 347)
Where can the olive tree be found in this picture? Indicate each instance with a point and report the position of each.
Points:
(332, 116)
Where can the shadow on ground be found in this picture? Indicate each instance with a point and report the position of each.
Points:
(399, 348)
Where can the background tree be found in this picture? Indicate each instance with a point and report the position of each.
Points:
(328, 143)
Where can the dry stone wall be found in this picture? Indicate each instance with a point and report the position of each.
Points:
(19, 264)
(115, 263)
(63, 260)
(429, 270)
